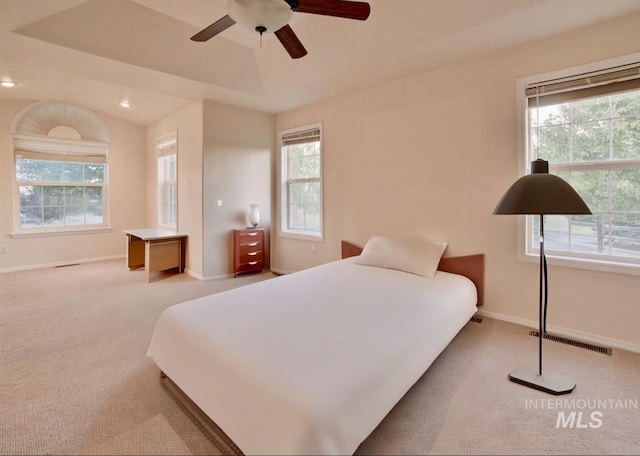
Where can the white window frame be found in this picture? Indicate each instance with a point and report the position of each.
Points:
(166, 148)
(64, 151)
(527, 251)
(284, 180)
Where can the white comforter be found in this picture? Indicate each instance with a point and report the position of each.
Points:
(310, 363)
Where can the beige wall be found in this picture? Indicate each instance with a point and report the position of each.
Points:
(432, 153)
(127, 199)
(238, 151)
(188, 125)
(225, 154)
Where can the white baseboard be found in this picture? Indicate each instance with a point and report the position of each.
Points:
(199, 276)
(193, 274)
(60, 263)
(221, 276)
(282, 272)
(571, 333)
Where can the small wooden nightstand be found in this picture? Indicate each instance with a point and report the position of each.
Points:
(248, 250)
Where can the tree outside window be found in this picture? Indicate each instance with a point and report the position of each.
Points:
(591, 139)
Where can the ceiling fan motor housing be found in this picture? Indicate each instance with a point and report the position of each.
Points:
(260, 15)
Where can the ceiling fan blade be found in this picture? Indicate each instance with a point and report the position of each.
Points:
(217, 27)
(291, 42)
(337, 8)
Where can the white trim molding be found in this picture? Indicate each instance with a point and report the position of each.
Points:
(558, 330)
(62, 263)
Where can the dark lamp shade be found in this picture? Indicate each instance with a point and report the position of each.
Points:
(541, 193)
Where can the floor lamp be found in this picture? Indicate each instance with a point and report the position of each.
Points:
(541, 193)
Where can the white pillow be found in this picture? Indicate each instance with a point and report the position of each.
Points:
(409, 254)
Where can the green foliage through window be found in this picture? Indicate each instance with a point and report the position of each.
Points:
(594, 144)
(59, 194)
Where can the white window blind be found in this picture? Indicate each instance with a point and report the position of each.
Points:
(167, 146)
(46, 148)
(588, 85)
(301, 137)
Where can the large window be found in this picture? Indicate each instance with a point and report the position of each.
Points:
(588, 127)
(168, 182)
(301, 183)
(60, 186)
(59, 194)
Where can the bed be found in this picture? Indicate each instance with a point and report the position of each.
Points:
(311, 362)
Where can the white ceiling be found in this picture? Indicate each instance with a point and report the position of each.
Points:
(97, 52)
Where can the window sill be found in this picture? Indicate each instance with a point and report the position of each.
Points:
(582, 263)
(36, 234)
(301, 236)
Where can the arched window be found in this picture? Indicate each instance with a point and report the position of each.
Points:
(60, 153)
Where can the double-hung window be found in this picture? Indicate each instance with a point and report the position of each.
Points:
(301, 183)
(587, 126)
(167, 154)
(60, 185)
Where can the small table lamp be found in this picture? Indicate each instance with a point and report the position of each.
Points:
(541, 193)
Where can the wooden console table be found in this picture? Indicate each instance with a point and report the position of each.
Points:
(155, 250)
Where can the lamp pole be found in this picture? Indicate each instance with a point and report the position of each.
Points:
(541, 285)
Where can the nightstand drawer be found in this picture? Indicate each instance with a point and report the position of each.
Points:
(250, 266)
(251, 256)
(246, 236)
(255, 246)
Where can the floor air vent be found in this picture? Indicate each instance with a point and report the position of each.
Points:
(575, 343)
(476, 319)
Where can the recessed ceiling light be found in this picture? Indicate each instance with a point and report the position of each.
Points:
(8, 84)
(125, 104)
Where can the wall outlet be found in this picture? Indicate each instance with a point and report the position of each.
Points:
(314, 249)
(4, 249)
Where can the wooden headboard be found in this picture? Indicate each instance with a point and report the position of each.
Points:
(470, 266)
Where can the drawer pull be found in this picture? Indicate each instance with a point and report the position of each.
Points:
(253, 262)
(255, 233)
(253, 244)
(252, 253)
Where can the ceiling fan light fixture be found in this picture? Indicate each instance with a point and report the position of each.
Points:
(260, 15)
(274, 16)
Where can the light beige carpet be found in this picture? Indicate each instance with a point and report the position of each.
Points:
(142, 440)
(464, 403)
(74, 378)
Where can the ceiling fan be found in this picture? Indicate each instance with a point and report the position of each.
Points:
(275, 15)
